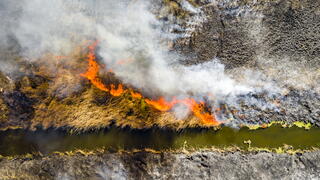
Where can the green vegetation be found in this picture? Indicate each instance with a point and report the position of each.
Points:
(274, 139)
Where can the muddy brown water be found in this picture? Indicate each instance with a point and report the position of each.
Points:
(19, 142)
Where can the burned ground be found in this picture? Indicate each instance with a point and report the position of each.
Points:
(148, 165)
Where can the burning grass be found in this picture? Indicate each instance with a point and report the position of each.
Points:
(66, 92)
(93, 109)
(72, 91)
(63, 98)
(160, 104)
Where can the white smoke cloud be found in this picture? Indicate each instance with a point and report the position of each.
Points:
(54, 27)
(126, 30)
(135, 35)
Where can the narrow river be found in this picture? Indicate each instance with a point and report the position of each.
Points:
(18, 142)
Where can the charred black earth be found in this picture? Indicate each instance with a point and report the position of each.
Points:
(147, 165)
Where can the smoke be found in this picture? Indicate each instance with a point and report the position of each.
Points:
(8, 12)
(127, 32)
(54, 27)
(136, 34)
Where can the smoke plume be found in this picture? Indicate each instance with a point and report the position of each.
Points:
(133, 42)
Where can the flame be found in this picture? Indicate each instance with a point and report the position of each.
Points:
(118, 91)
(135, 94)
(93, 69)
(160, 104)
(197, 108)
(205, 117)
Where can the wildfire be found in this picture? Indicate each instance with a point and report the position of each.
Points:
(198, 109)
(93, 69)
(135, 94)
(160, 104)
(118, 91)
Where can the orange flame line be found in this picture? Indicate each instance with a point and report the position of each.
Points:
(161, 104)
(118, 91)
(135, 94)
(93, 69)
(197, 108)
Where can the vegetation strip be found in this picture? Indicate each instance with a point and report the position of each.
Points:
(20, 142)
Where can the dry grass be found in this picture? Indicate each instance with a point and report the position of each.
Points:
(4, 111)
(62, 98)
(65, 99)
(87, 107)
(94, 109)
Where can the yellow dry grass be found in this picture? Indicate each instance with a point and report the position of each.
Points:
(65, 99)
(83, 112)
(4, 111)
